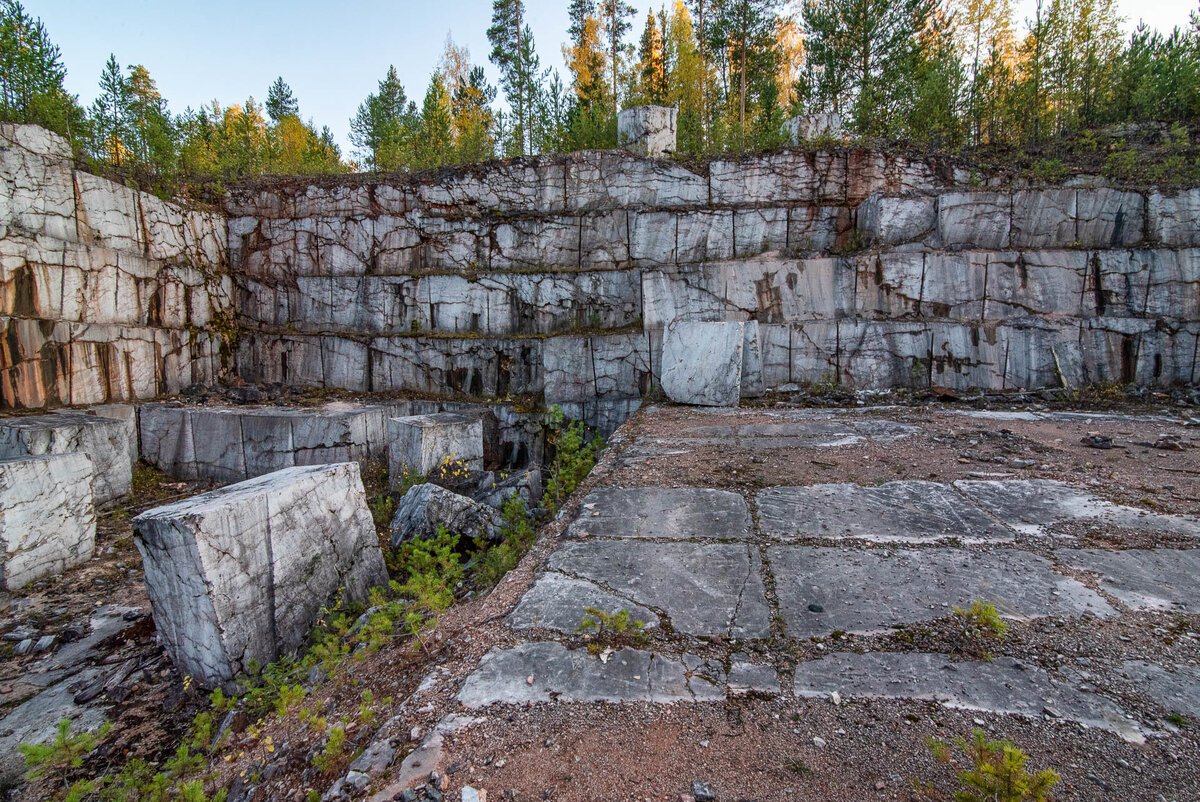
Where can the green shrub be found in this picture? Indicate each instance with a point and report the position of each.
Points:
(997, 772)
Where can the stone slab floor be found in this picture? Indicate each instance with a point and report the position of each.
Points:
(796, 574)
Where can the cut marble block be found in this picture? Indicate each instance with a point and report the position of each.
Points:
(106, 440)
(47, 516)
(242, 573)
(229, 444)
(702, 363)
(421, 443)
(647, 130)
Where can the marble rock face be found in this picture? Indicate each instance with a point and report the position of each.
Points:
(47, 516)
(106, 440)
(702, 363)
(421, 443)
(242, 573)
(647, 130)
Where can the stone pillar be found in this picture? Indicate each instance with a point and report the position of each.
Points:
(647, 130)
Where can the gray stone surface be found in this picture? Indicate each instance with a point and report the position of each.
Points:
(36, 721)
(558, 602)
(1176, 688)
(105, 440)
(565, 675)
(1143, 579)
(903, 511)
(426, 507)
(1034, 506)
(47, 516)
(647, 130)
(1000, 686)
(874, 590)
(242, 573)
(701, 588)
(674, 514)
(702, 363)
(422, 443)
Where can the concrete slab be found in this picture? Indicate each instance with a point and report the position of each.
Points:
(822, 590)
(652, 512)
(1176, 689)
(1033, 506)
(702, 588)
(903, 511)
(1000, 686)
(557, 602)
(1144, 579)
(564, 675)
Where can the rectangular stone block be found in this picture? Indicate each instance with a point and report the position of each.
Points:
(886, 220)
(422, 443)
(105, 440)
(233, 443)
(702, 363)
(1174, 220)
(241, 574)
(47, 516)
(975, 220)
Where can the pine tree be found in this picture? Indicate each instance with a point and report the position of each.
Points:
(514, 54)
(865, 53)
(474, 122)
(615, 15)
(651, 68)
(281, 102)
(685, 78)
(745, 29)
(151, 134)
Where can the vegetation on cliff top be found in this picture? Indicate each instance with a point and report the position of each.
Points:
(1062, 90)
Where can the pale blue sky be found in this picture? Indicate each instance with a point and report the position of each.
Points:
(332, 53)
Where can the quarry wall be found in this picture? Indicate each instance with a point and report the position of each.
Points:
(106, 294)
(553, 278)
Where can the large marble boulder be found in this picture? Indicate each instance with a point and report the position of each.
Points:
(647, 130)
(106, 440)
(241, 574)
(47, 516)
(427, 507)
(702, 363)
(422, 443)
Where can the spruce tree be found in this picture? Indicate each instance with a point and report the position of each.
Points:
(383, 127)
(110, 111)
(32, 75)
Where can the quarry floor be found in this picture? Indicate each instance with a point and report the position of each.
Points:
(796, 570)
(760, 603)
